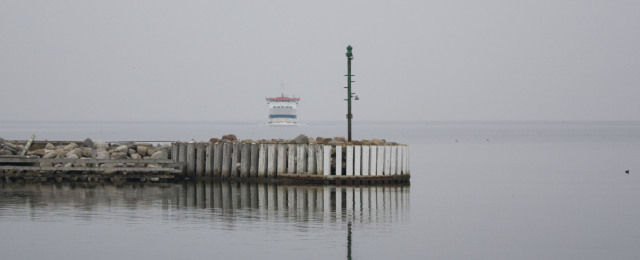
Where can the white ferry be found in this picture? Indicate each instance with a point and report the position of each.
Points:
(282, 110)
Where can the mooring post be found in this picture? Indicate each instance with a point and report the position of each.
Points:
(182, 156)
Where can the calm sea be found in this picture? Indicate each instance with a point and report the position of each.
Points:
(479, 190)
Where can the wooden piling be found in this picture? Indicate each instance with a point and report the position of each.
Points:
(253, 171)
(301, 162)
(380, 161)
(387, 160)
(357, 160)
(235, 159)
(208, 157)
(226, 160)
(191, 158)
(326, 165)
(174, 151)
(217, 160)
(373, 160)
(271, 159)
(365, 160)
(319, 159)
(349, 162)
(394, 157)
(245, 160)
(291, 160)
(311, 159)
(262, 161)
(338, 159)
(282, 158)
(182, 156)
(200, 159)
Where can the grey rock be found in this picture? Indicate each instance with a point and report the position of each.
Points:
(50, 146)
(102, 154)
(136, 156)
(70, 147)
(100, 145)
(122, 149)
(87, 142)
(229, 138)
(5, 152)
(37, 152)
(50, 154)
(72, 155)
(86, 152)
(301, 139)
(119, 155)
(157, 155)
(142, 150)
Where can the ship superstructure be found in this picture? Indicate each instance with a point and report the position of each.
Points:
(283, 109)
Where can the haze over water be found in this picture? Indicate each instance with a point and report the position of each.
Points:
(479, 190)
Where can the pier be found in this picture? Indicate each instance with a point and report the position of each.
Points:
(328, 161)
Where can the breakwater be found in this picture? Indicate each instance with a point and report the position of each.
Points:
(303, 159)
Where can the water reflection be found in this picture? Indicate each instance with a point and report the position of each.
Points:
(223, 201)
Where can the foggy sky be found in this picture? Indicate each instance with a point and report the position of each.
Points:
(413, 60)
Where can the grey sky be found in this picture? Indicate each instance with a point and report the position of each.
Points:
(218, 60)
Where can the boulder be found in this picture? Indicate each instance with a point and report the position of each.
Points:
(70, 147)
(5, 152)
(50, 146)
(60, 153)
(136, 156)
(378, 141)
(157, 155)
(119, 155)
(102, 154)
(72, 155)
(50, 154)
(150, 151)
(214, 140)
(122, 149)
(87, 142)
(301, 139)
(130, 152)
(100, 145)
(86, 152)
(38, 152)
(142, 150)
(229, 138)
(77, 152)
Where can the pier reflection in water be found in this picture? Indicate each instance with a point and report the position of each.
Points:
(259, 201)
